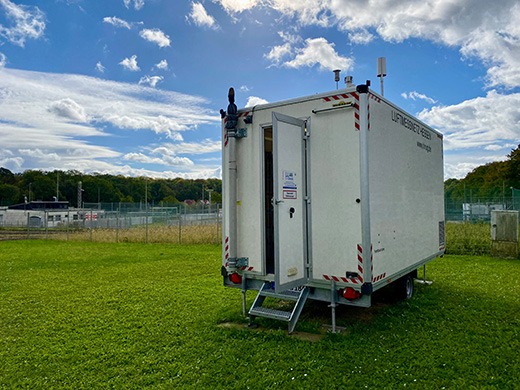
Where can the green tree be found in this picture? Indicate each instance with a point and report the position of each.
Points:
(9, 195)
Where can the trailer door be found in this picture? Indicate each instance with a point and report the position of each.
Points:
(289, 187)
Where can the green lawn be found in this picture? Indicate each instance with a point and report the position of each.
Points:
(104, 315)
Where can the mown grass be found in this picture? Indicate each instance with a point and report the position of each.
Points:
(94, 315)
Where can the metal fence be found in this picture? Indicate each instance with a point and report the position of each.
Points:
(118, 222)
(475, 209)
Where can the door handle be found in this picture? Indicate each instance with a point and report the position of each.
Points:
(278, 201)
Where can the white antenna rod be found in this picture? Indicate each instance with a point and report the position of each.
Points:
(381, 72)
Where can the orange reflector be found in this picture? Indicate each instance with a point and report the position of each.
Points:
(235, 278)
(351, 294)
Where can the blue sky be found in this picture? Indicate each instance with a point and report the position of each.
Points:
(133, 87)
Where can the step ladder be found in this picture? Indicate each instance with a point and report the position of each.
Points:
(299, 297)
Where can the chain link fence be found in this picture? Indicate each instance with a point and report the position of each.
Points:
(118, 222)
(478, 209)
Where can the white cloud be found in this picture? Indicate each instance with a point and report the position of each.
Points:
(278, 53)
(138, 4)
(100, 68)
(360, 37)
(478, 122)
(204, 147)
(130, 64)
(155, 36)
(7, 160)
(487, 30)
(164, 160)
(3, 60)
(28, 22)
(116, 22)
(44, 155)
(200, 16)
(418, 96)
(58, 113)
(151, 81)
(255, 101)
(163, 65)
(69, 109)
(318, 51)
(458, 165)
(237, 6)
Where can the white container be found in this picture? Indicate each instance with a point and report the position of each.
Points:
(335, 190)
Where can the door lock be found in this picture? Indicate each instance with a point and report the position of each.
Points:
(291, 212)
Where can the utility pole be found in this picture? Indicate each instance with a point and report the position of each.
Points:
(80, 195)
(210, 190)
(57, 186)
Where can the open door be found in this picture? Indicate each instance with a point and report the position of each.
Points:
(290, 211)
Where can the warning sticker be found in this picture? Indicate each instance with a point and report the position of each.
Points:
(290, 194)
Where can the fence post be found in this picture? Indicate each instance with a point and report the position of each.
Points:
(68, 224)
(28, 220)
(217, 218)
(117, 226)
(180, 225)
(91, 225)
(146, 223)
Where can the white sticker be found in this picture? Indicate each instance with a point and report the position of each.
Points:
(290, 194)
(289, 182)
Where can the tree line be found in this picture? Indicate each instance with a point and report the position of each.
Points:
(34, 185)
(493, 180)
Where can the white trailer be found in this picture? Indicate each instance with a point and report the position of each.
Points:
(328, 197)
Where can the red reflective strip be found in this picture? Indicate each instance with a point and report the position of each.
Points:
(360, 268)
(359, 248)
(326, 99)
(345, 280)
(335, 278)
(355, 95)
(326, 277)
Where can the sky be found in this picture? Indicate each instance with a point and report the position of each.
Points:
(134, 87)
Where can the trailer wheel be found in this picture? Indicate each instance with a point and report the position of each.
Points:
(405, 287)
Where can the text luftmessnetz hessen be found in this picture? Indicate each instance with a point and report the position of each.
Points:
(397, 117)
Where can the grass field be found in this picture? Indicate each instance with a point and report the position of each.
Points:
(104, 315)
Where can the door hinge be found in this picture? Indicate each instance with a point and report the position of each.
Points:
(242, 261)
(237, 133)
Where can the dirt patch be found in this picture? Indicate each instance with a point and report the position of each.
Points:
(305, 336)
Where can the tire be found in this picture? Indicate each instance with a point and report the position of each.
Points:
(405, 287)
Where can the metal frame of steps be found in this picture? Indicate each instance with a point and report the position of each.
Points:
(298, 296)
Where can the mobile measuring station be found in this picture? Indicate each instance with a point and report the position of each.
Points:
(328, 197)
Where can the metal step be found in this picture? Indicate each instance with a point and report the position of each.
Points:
(288, 295)
(271, 313)
(291, 316)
